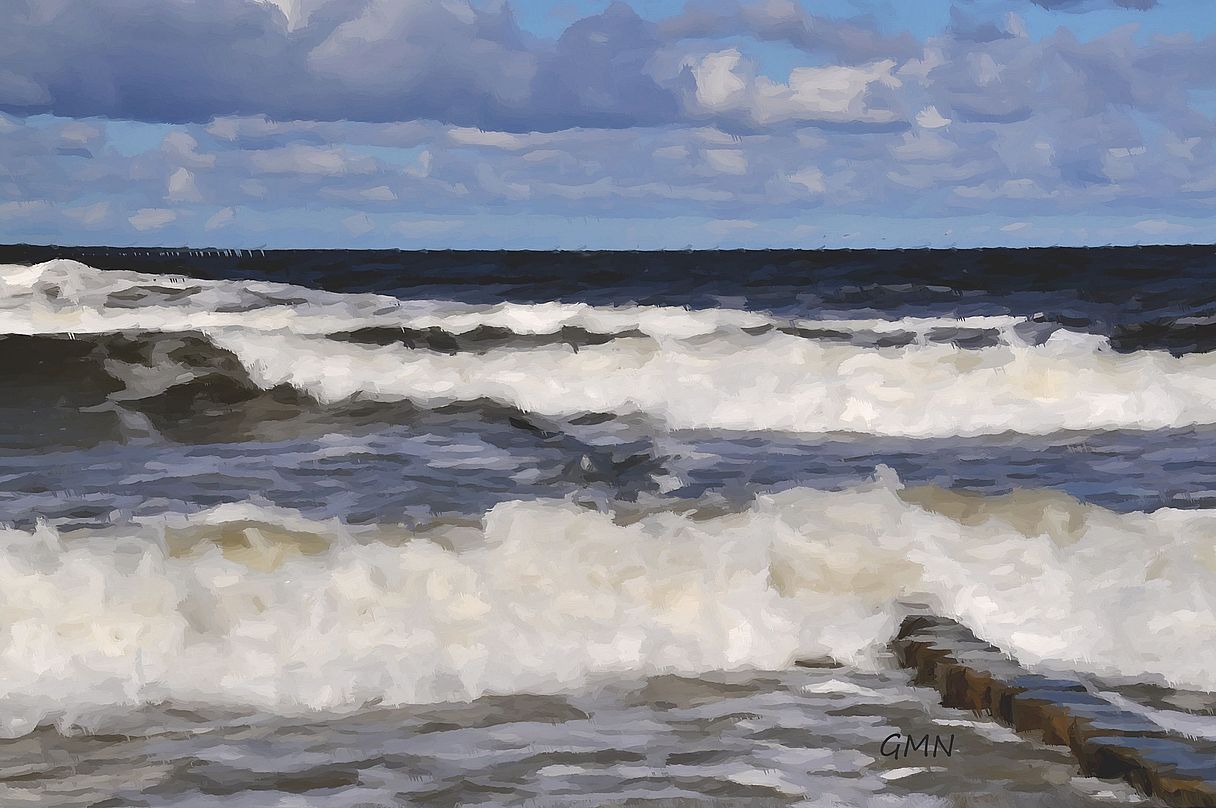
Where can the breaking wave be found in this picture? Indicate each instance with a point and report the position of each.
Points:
(246, 606)
(705, 369)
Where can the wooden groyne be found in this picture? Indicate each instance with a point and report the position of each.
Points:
(1108, 741)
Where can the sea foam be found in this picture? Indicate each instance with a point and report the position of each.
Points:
(705, 369)
(246, 606)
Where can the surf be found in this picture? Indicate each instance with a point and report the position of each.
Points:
(248, 606)
(681, 369)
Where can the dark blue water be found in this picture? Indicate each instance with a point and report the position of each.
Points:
(1133, 293)
(69, 453)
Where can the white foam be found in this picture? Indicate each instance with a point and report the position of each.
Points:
(689, 369)
(65, 296)
(246, 606)
(771, 382)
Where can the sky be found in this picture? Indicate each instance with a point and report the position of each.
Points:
(600, 124)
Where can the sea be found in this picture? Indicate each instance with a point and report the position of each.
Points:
(354, 529)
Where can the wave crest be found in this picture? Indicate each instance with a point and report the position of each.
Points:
(712, 369)
(246, 606)
(772, 382)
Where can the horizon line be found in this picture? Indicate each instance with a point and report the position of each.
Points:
(220, 251)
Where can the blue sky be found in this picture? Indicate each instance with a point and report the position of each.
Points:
(922, 18)
(588, 123)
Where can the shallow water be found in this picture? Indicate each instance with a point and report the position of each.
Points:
(793, 737)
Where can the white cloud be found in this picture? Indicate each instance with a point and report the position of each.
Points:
(90, 215)
(588, 190)
(924, 146)
(671, 153)
(429, 52)
(727, 82)
(493, 183)
(719, 85)
(809, 178)
(1160, 227)
(254, 188)
(80, 133)
(182, 149)
(151, 218)
(834, 93)
(182, 188)
(296, 12)
(314, 160)
(360, 224)
(221, 219)
(233, 127)
(381, 193)
(421, 168)
(955, 125)
(930, 118)
(1022, 188)
(467, 136)
(13, 210)
(726, 161)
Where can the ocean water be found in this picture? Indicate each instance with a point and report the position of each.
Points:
(552, 529)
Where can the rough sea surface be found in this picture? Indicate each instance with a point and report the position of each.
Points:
(365, 529)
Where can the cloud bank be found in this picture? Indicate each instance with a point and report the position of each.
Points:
(390, 121)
